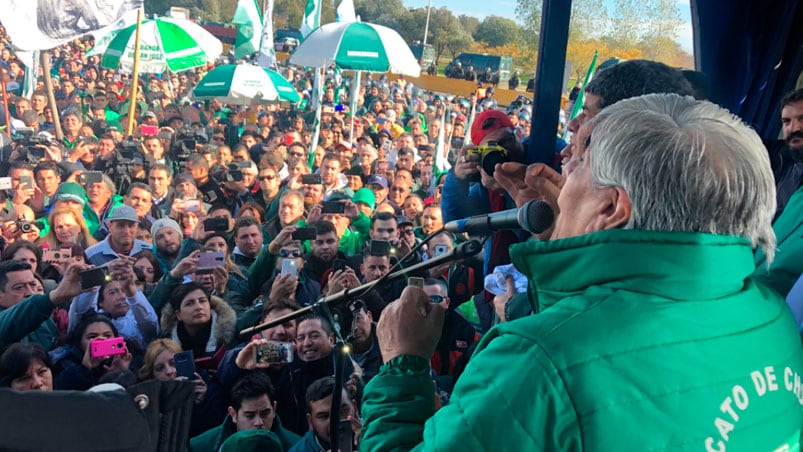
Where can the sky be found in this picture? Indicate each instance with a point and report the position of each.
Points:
(507, 8)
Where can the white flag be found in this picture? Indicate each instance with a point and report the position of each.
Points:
(267, 54)
(249, 30)
(345, 11)
(45, 24)
(312, 17)
(31, 62)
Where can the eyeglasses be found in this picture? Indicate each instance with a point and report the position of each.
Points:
(289, 253)
(436, 298)
(271, 177)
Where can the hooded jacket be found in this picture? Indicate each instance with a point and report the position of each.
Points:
(642, 341)
(223, 320)
(212, 439)
(787, 265)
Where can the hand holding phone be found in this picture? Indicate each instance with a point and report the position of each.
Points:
(105, 348)
(185, 364)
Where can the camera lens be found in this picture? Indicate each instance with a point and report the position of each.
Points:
(57, 256)
(491, 159)
(25, 227)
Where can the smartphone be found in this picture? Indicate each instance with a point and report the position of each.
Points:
(305, 234)
(311, 179)
(333, 207)
(103, 348)
(26, 181)
(91, 177)
(345, 436)
(208, 261)
(94, 277)
(274, 353)
(57, 255)
(5, 183)
(379, 248)
(289, 267)
(440, 250)
(216, 224)
(338, 264)
(386, 145)
(192, 205)
(148, 131)
(185, 364)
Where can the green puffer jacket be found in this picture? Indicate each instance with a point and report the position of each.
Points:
(644, 341)
(787, 265)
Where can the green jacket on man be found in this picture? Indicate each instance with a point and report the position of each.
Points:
(641, 341)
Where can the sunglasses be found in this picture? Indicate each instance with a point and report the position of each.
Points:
(436, 299)
(289, 253)
(261, 178)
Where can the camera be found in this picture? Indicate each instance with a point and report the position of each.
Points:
(27, 226)
(490, 155)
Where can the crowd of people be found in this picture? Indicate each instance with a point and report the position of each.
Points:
(143, 257)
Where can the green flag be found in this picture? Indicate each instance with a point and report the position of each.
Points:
(578, 103)
(249, 31)
(312, 17)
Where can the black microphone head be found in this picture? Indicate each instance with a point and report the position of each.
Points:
(536, 216)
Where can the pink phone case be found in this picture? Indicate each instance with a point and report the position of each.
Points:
(107, 347)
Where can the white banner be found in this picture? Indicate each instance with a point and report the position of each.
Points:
(267, 54)
(45, 24)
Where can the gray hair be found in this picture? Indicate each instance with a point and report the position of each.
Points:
(686, 165)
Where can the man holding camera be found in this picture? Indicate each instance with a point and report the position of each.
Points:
(470, 188)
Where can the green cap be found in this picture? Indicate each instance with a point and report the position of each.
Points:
(365, 196)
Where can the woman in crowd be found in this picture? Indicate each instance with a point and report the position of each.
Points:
(209, 408)
(199, 322)
(76, 368)
(26, 367)
(145, 264)
(67, 227)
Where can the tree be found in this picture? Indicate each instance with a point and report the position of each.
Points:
(288, 13)
(458, 42)
(497, 31)
(469, 23)
(529, 14)
(588, 20)
(627, 23)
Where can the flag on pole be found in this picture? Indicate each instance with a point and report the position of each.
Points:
(31, 62)
(267, 54)
(316, 126)
(578, 103)
(249, 31)
(441, 163)
(470, 122)
(45, 24)
(312, 17)
(345, 11)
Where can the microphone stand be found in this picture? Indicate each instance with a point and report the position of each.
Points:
(323, 308)
(464, 250)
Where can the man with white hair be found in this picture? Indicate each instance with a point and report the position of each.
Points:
(650, 333)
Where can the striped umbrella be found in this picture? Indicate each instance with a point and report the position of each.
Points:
(165, 43)
(357, 46)
(239, 84)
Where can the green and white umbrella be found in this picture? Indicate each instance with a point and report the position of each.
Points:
(165, 43)
(357, 46)
(242, 83)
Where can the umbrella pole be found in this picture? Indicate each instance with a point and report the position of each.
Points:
(5, 104)
(51, 99)
(132, 97)
(316, 128)
(354, 93)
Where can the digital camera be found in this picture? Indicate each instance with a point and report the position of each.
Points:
(489, 155)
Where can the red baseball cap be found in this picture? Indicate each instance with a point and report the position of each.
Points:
(486, 122)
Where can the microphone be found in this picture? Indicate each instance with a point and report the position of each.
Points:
(534, 217)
